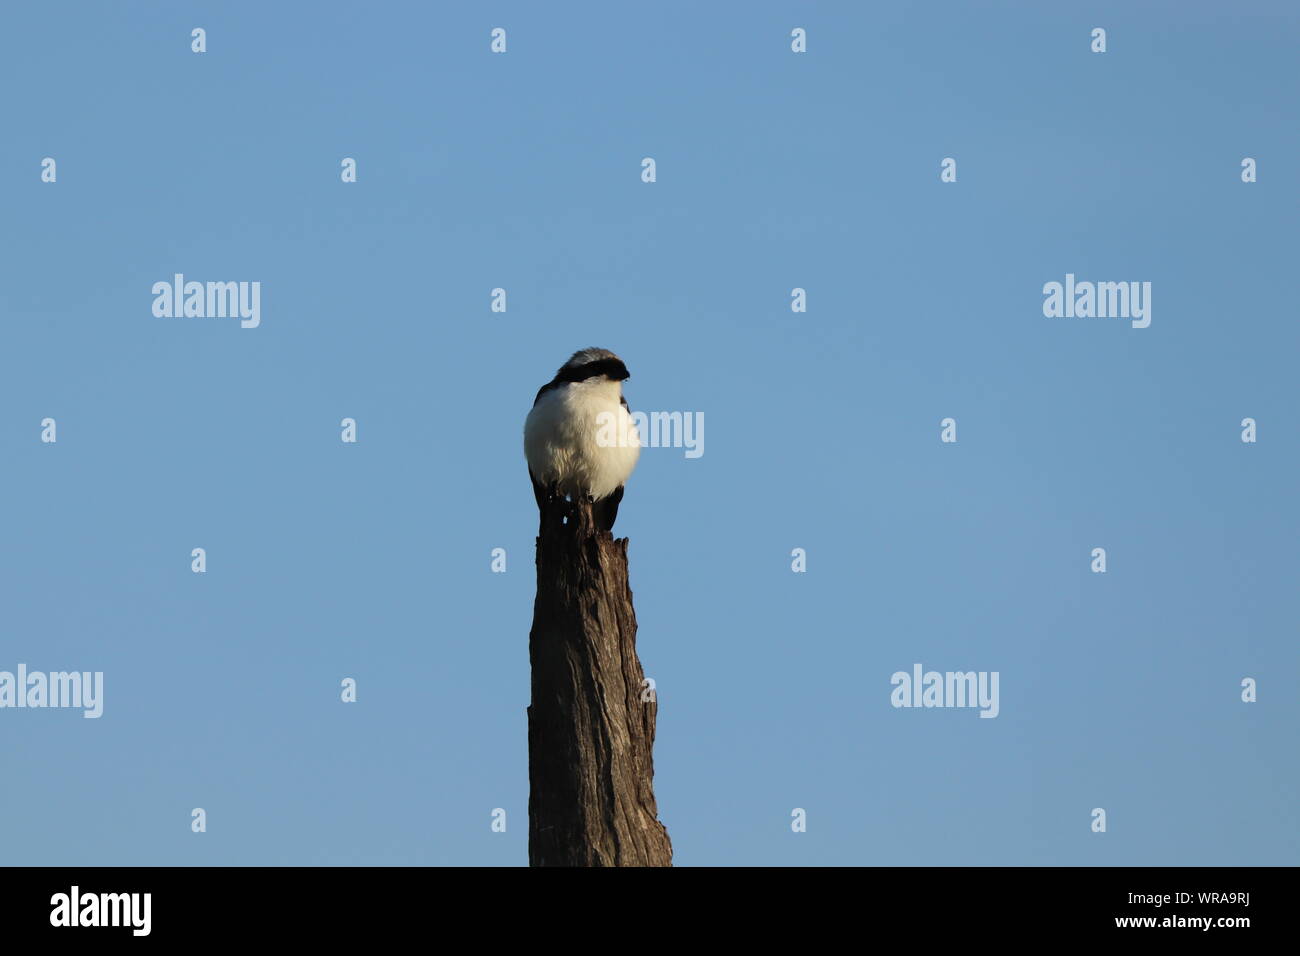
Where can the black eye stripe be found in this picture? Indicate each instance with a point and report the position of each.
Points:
(614, 368)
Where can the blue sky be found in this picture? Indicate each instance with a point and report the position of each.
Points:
(775, 170)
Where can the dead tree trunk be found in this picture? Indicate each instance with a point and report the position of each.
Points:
(591, 798)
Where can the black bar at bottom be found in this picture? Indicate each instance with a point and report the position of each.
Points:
(377, 904)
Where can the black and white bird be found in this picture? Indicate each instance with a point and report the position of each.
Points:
(579, 438)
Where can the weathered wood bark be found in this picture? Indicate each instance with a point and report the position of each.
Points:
(590, 770)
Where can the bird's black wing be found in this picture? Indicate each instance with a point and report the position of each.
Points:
(539, 491)
(544, 389)
(606, 509)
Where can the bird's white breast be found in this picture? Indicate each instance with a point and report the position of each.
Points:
(580, 437)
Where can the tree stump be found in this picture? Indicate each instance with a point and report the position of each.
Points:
(590, 735)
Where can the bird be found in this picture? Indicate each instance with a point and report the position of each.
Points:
(579, 438)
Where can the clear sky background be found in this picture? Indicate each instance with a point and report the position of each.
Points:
(775, 170)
